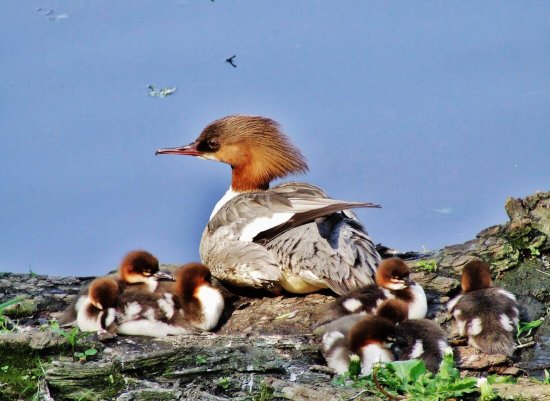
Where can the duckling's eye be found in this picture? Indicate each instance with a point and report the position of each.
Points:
(147, 273)
(213, 144)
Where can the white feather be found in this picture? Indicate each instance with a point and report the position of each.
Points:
(330, 338)
(111, 316)
(352, 304)
(166, 305)
(475, 327)
(452, 303)
(506, 322)
(418, 350)
(372, 354)
(150, 328)
(84, 321)
(230, 194)
(419, 305)
(212, 306)
(263, 223)
(507, 294)
(338, 360)
(443, 346)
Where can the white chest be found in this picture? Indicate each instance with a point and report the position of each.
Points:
(212, 306)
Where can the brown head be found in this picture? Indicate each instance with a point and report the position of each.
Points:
(476, 275)
(393, 274)
(394, 310)
(371, 330)
(104, 293)
(190, 277)
(140, 267)
(255, 148)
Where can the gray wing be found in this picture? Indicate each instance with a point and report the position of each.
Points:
(334, 250)
(309, 234)
(242, 264)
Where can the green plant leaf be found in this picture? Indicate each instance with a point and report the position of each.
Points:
(90, 352)
(402, 369)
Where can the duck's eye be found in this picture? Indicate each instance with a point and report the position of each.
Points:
(213, 144)
(147, 273)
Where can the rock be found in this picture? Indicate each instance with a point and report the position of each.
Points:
(300, 392)
(524, 390)
(471, 359)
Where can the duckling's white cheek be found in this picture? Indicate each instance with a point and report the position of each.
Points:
(475, 327)
(352, 305)
(396, 286)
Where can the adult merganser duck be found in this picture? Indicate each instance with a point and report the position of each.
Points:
(191, 303)
(97, 311)
(414, 338)
(292, 235)
(139, 270)
(392, 281)
(486, 314)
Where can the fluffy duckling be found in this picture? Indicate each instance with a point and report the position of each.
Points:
(392, 281)
(291, 236)
(190, 304)
(139, 270)
(415, 338)
(334, 341)
(486, 314)
(371, 339)
(97, 310)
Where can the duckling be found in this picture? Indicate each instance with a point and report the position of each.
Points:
(97, 310)
(139, 270)
(415, 338)
(190, 304)
(292, 236)
(202, 304)
(392, 281)
(371, 338)
(335, 346)
(486, 314)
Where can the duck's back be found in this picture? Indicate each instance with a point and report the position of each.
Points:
(308, 241)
